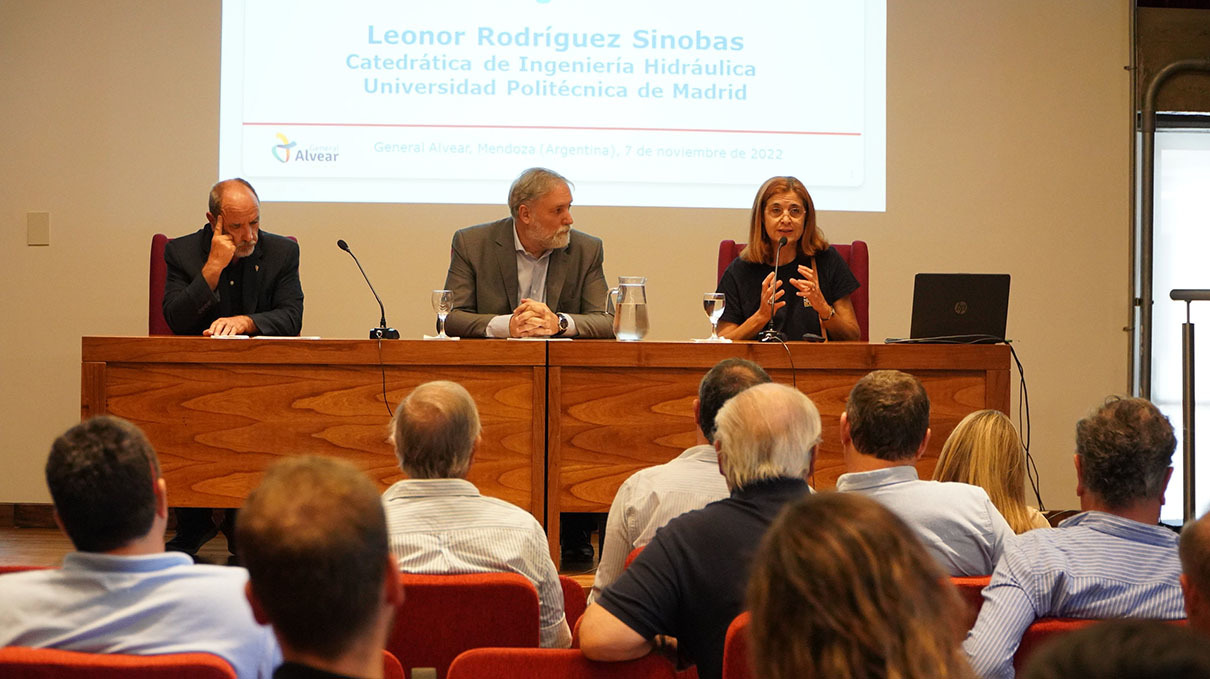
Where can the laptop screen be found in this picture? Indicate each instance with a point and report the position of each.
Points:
(949, 306)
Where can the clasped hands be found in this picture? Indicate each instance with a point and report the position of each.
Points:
(532, 318)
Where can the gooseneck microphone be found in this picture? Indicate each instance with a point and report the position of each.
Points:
(382, 331)
(769, 334)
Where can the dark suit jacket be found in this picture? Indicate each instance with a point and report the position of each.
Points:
(483, 277)
(272, 293)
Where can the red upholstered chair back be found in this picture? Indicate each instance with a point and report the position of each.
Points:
(156, 325)
(444, 615)
(855, 254)
(575, 601)
(47, 663)
(970, 589)
(158, 270)
(391, 669)
(634, 554)
(526, 663)
(1041, 631)
(737, 653)
(18, 569)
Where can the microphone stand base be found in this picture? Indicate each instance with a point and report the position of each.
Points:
(770, 335)
(384, 333)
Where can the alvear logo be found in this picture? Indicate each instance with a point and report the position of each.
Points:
(315, 153)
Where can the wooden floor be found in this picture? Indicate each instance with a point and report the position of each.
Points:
(46, 547)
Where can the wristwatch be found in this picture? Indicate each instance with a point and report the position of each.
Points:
(563, 321)
(830, 316)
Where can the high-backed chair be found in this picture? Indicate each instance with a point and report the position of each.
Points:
(19, 569)
(970, 589)
(391, 668)
(575, 601)
(444, 615)
(737, 654)
(524, 663)
(855, 254)
(47, 663)
(158, 269)
(634, 554)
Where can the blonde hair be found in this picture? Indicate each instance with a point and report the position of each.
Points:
(760, 248)
(984, 450)
(842, 589)
(764, 432)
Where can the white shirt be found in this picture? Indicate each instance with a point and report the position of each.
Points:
(444, 526)
(137, 605)
(957, 522)
(652, 497)
(531, 284)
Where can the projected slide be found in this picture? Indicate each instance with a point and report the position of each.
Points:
(670, 103)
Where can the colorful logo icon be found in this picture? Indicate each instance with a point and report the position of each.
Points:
(282, 151)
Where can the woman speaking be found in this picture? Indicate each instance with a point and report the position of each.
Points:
(805, 262)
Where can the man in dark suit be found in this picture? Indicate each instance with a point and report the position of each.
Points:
(529, 275)
(229, 278)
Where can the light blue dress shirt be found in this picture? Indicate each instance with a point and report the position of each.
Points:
(957, 522)
(444, 526)
(652, 497)
(1094, 565)
(137, 605)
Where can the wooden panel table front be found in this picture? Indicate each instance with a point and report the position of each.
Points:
(219, 412)
(616, 407)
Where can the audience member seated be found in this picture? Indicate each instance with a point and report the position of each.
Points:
(842, 588)
(652, 497)
(314, 542)
(1123, 649)
(984, 450)
(437, 520)
(1195, 575)
(1110, 561)
(884, 430)
(689, 581)
(120, 592)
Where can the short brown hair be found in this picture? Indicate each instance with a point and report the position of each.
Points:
(760, 248)
(1125, 449)
(313, 537)
(101, 475)
(888, 415)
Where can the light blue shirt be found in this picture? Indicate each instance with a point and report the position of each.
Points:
(444, 526)
(1094, 565)
(957, 522)
(137, 605)
(652, 497)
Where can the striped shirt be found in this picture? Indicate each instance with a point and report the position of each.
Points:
(652, 497)
(957, 522)
(1095, 565)
(444, 526)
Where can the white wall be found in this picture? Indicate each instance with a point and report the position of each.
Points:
(1008, 151)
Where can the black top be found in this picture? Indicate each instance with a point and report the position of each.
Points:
(293, 670)
(741, 284)
(689, 581)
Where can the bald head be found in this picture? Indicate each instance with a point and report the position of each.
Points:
(766, 431)
(436, 429)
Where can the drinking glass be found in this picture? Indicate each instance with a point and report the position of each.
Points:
(443, 303)
(714, 303)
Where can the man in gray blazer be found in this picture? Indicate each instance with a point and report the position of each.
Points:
(529, 275)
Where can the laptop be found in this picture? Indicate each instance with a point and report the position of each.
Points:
(960, 308)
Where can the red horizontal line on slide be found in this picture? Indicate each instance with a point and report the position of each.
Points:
(549, 127)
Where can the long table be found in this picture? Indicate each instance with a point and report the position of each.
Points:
(564, 422)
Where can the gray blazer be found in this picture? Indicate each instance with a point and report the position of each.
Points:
(483, 277)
